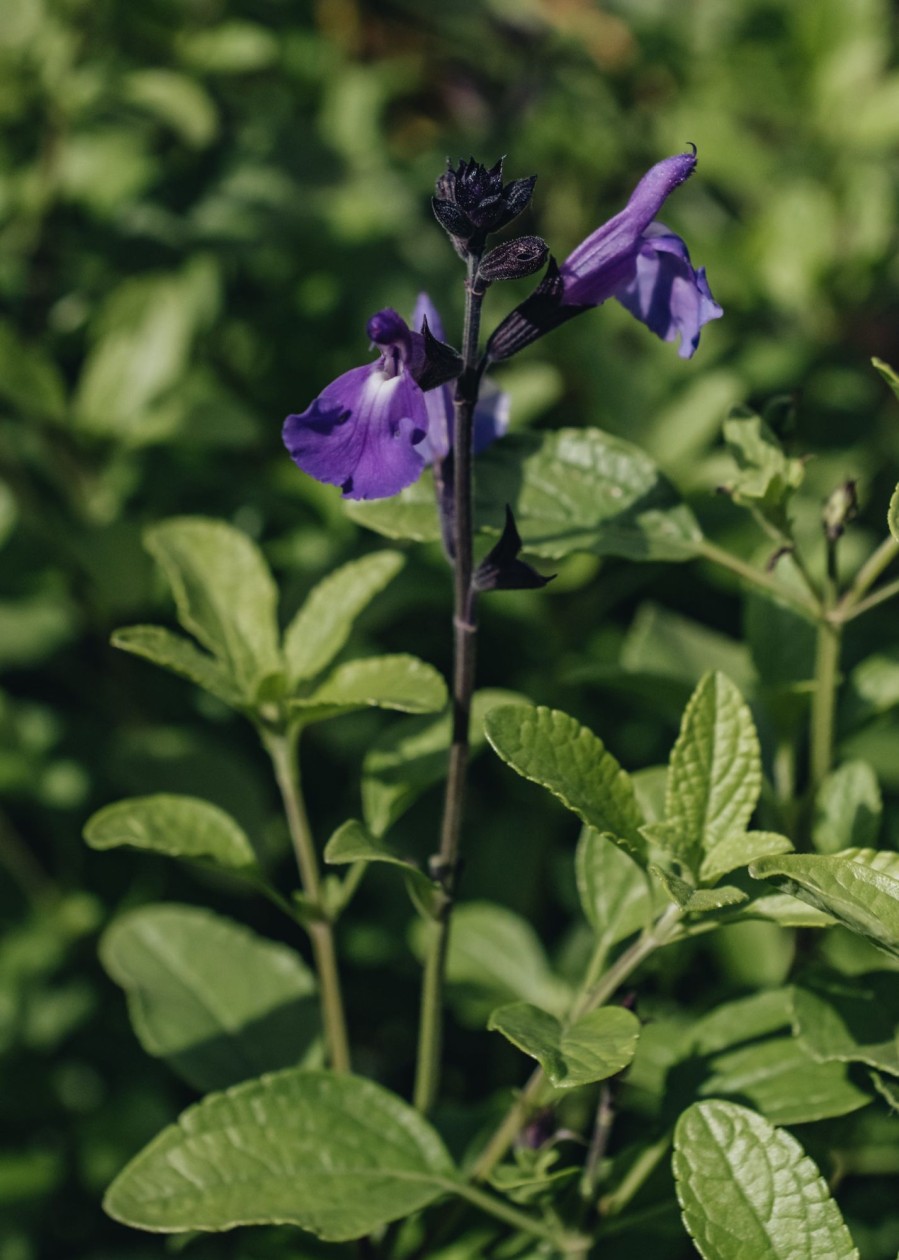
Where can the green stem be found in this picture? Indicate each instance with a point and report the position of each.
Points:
(662, 933)
(445, 867)
(283, 750)
(868, 574)
(824, 697)
(843, 612)
(756, 577)
(638, 1173)
(568, 1244)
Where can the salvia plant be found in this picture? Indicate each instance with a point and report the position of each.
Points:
(608, 1110)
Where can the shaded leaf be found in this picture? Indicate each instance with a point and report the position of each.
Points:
(598, 1046)
(180, 826)
(615, 894)
(783, 1082)
(552, 749)
(174, 652)
(336, 1155)
(766, 478)
(224, 593)
(214, 1000)
(850, 1020)
(570, 490)
(848, 806)
(354, 843)
(748, 1189)
(859, 888)
(323, 624)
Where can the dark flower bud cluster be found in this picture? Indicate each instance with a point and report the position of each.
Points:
(472, 202)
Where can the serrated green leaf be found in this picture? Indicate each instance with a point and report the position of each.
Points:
(179, 826)
(707, 900)
(786, 911)
(571, 490)
(554, 750)
(214, 1000)
(748, 1189)
(715, 773)
(595, 1048)
(173, 652)
(850, 1020)
(323, 624)
(336, 1155)
(734, 851)
(383, 682)
(888, 1089)
(859, 888)
(615, 894)
(224, 594)
(409, 757)
(495, 956)
(783, 1082)
(848, 806)
(353, 842)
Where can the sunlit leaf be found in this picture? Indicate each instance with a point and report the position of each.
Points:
(596, 1047)
(748, 1189)
(336, 1155)
(179, 826)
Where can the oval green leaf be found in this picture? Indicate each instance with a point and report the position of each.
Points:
(323, 624)
(748, 1189)
(180, 656)
(383, 682)
(179, 826)
(335, 1155)
(224, 593)
(598, 1046)
(217, 1002)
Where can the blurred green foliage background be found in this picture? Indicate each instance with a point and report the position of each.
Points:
(201, 202)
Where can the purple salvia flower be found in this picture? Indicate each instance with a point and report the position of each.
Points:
(364, 432)
(374, 429)
(632, 258)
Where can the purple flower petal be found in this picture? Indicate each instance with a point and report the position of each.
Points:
(666, 293)
(363, 433)
(607, 258)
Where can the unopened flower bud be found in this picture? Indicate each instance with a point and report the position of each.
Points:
(513, 259)
(839, 509)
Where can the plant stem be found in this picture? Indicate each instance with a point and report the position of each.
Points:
(662, 933)
(503, 1211)
(445, 868)
(282, 747)
(824, 697)
(868, 574)
(848, 612)
(756, 577)
(641, 1169)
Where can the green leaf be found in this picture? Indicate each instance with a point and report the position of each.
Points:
(888, 374)
(748, 1189)
(570, 490)
(744, 1019)
(715, 774)
(323, 624)
(873, 687)
(214, 1000)
(176, 100)
(552, 749)
(766, 478)
(179, 826)
(174, 652)
(850, 1020)
(29, 379)
(411, 756)
(782, 1081)
(224, 592)
(694, 900)
(495, 956)
(353, 842)
(336, 1155)
(661, 643)
(615, 894)
(859, 888)
(734, 851)
(848, 806)
(595, 1048)
(893, 515)
(383, 682)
